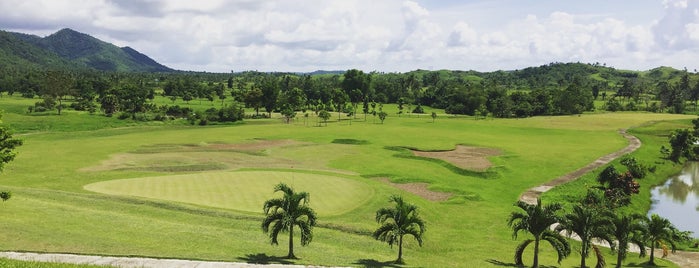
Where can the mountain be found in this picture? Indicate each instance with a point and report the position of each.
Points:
(77, 51)
(16, 51)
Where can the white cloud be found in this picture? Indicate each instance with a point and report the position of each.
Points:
(387, 35)
(462, 35)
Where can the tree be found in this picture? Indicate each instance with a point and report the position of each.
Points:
(588, 223)
(694, 95)
(401, 102)
(270, 93)
(398, 221)
(618, 187)
(7, 145)
(339, 98)
(5, 196)
(282, 214)
(355, 80)
(132, 98)
(253, 98)
(537, 220)
(659, 232)
(325, 115)
(221, 93)
(681, 143)
(57, 85)
(288, 113)
(382, 116)
(627, 229)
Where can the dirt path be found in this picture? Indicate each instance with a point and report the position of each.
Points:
(681, 258)
(131, 262)
(532, 194)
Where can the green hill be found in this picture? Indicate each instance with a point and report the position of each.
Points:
(16, 51)
(74, 50)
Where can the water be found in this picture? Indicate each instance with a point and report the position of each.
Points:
(678, 199)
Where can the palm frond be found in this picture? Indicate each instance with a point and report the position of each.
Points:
(273, 205)
(559, 243)
(306, 232)
(641, 245)
(519, 251)
(275, 217)
(601, 262)
(385, 213)
(417, 234)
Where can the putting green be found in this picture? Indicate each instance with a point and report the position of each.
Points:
(243, 190)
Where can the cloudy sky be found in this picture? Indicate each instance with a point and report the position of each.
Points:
(381, 35)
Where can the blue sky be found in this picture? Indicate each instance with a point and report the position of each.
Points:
(383, 35)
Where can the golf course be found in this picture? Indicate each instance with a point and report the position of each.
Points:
(95, 185)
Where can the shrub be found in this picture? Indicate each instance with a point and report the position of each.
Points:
(123, 116)
(636, 169)
(418, 110)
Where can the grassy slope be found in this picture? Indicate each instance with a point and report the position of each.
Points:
(50, 211)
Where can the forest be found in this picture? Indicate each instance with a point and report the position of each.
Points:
(552, 89)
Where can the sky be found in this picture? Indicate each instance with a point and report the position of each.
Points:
(378, 35)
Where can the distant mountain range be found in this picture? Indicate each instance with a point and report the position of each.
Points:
(69, 49)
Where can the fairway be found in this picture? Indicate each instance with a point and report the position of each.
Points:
(196, 192)
(242, 190)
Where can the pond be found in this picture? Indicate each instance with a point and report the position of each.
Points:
(678, 199)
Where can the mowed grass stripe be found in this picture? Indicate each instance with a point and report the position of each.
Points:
(242, 190)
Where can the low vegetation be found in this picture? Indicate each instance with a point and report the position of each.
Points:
(114, 174)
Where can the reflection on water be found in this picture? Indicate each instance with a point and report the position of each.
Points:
(678, 199)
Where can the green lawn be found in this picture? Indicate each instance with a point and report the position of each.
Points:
(52, 211)
(242, 190)
(7, 263)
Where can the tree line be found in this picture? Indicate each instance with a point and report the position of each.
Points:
(554, 89)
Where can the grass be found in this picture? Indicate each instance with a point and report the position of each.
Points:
(7, 263)
(242, 190)
(51, 211)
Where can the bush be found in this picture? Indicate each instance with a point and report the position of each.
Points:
(123, 116)
(177, 111)
(614, 105)
(418, 110)
(40, 109)
(231, 113)
(83, 105)
(636, 169)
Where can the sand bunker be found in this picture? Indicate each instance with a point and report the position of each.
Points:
(202, 157)
(465, 157)
(257, 145)
(419, 189)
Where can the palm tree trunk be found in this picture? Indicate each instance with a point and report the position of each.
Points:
(583, 254)
(652, 255)
(536, 253)
(400, 250)
(291, 243)
(618, 258)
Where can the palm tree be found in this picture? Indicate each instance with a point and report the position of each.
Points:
(537, 220)
(282, 214)
(588, 224)
(403, 219)
(660, 231)
(627, 229)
